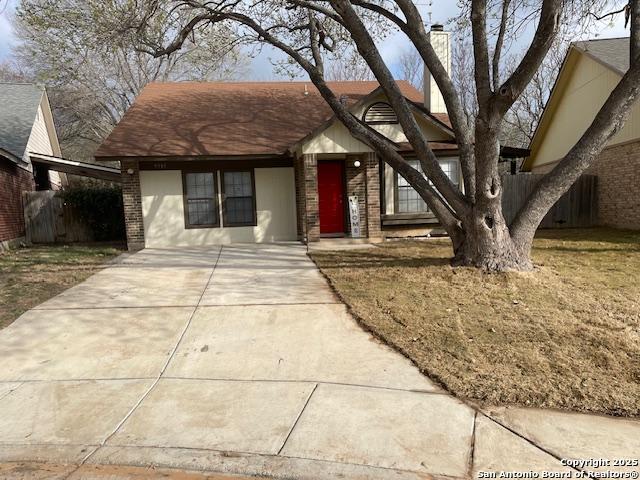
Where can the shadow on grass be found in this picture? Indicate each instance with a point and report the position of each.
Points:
(582, 249)
(602, 235)
(367, 259)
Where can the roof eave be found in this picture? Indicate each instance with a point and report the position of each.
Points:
(586, 52)
(422, 111)
(190, 158)
(10, 156)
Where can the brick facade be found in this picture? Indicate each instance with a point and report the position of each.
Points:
(298, 167)
(311, 220)
(618, 171)
(363, 181)
(13, 181)
(374, 227)
(132, 201)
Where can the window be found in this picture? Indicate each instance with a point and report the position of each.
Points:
(239, 200)
(200, 199)
(380, 113)
(408, 200)
(202, 202)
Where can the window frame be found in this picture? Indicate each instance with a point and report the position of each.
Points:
(185, 200)
(396, 195)
(225, 220)
(428, 212)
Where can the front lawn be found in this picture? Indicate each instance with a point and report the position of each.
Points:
(566, 335)
(29, 276)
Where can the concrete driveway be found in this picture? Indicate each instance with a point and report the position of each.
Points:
(236, 359)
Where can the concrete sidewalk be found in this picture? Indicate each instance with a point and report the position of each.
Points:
(241, 360)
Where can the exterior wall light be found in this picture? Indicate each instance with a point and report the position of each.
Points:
(356, 163)
(130, 171)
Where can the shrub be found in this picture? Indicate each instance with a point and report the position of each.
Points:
(100, 207)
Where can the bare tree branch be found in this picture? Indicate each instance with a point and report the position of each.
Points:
(543, 38)
(415, 31)
(499, 44)
(368, 50)
(481, 55)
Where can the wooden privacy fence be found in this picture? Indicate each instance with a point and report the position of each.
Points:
(576, 208)
(49, 220)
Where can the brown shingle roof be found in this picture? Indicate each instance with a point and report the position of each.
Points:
(215, 118)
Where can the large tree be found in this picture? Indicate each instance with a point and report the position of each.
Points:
(93, 78)
(308, 31)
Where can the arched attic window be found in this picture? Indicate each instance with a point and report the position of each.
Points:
(380, 113)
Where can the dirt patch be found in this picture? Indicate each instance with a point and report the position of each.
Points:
(29, 276)
(564, 336)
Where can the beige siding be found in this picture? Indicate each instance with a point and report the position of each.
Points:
(586, 90)
(39, 141)
(43, 139)
(441, 42)
(337, 139)
(163, 211)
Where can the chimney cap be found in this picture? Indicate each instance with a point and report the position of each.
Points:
(437, 27)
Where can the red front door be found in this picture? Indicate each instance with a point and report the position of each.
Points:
(331, 196)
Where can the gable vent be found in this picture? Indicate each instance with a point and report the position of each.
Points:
(380, 112)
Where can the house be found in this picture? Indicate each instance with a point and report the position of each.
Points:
(207, 163)
(26, 126)
(591, 70)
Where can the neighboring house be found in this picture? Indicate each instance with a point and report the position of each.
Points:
(207, 163)
(590, 72)
(26, 127)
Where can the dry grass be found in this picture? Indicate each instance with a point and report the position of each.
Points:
(29, 276)
(566, 335)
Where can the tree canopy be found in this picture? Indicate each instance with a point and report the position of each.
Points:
(95, 75)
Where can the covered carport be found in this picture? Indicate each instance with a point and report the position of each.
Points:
(74, 167)
(48, 217)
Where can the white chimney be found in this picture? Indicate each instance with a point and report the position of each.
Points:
(441, 42)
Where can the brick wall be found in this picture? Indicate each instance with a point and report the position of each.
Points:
(132, 200)
(298, 166)
(363, 181)
(372, 165)
(13, 181)
(311, 197)
(618, 171)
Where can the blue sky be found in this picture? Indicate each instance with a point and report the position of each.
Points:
(441, 12)
(261, 68)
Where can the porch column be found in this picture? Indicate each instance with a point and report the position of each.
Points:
(301, 196)
(312, 212)
(132, 201)
(372, 165)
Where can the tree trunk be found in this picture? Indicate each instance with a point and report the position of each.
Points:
(487, 241)
(487, 244)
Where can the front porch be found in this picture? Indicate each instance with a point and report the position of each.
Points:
(325, 186)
